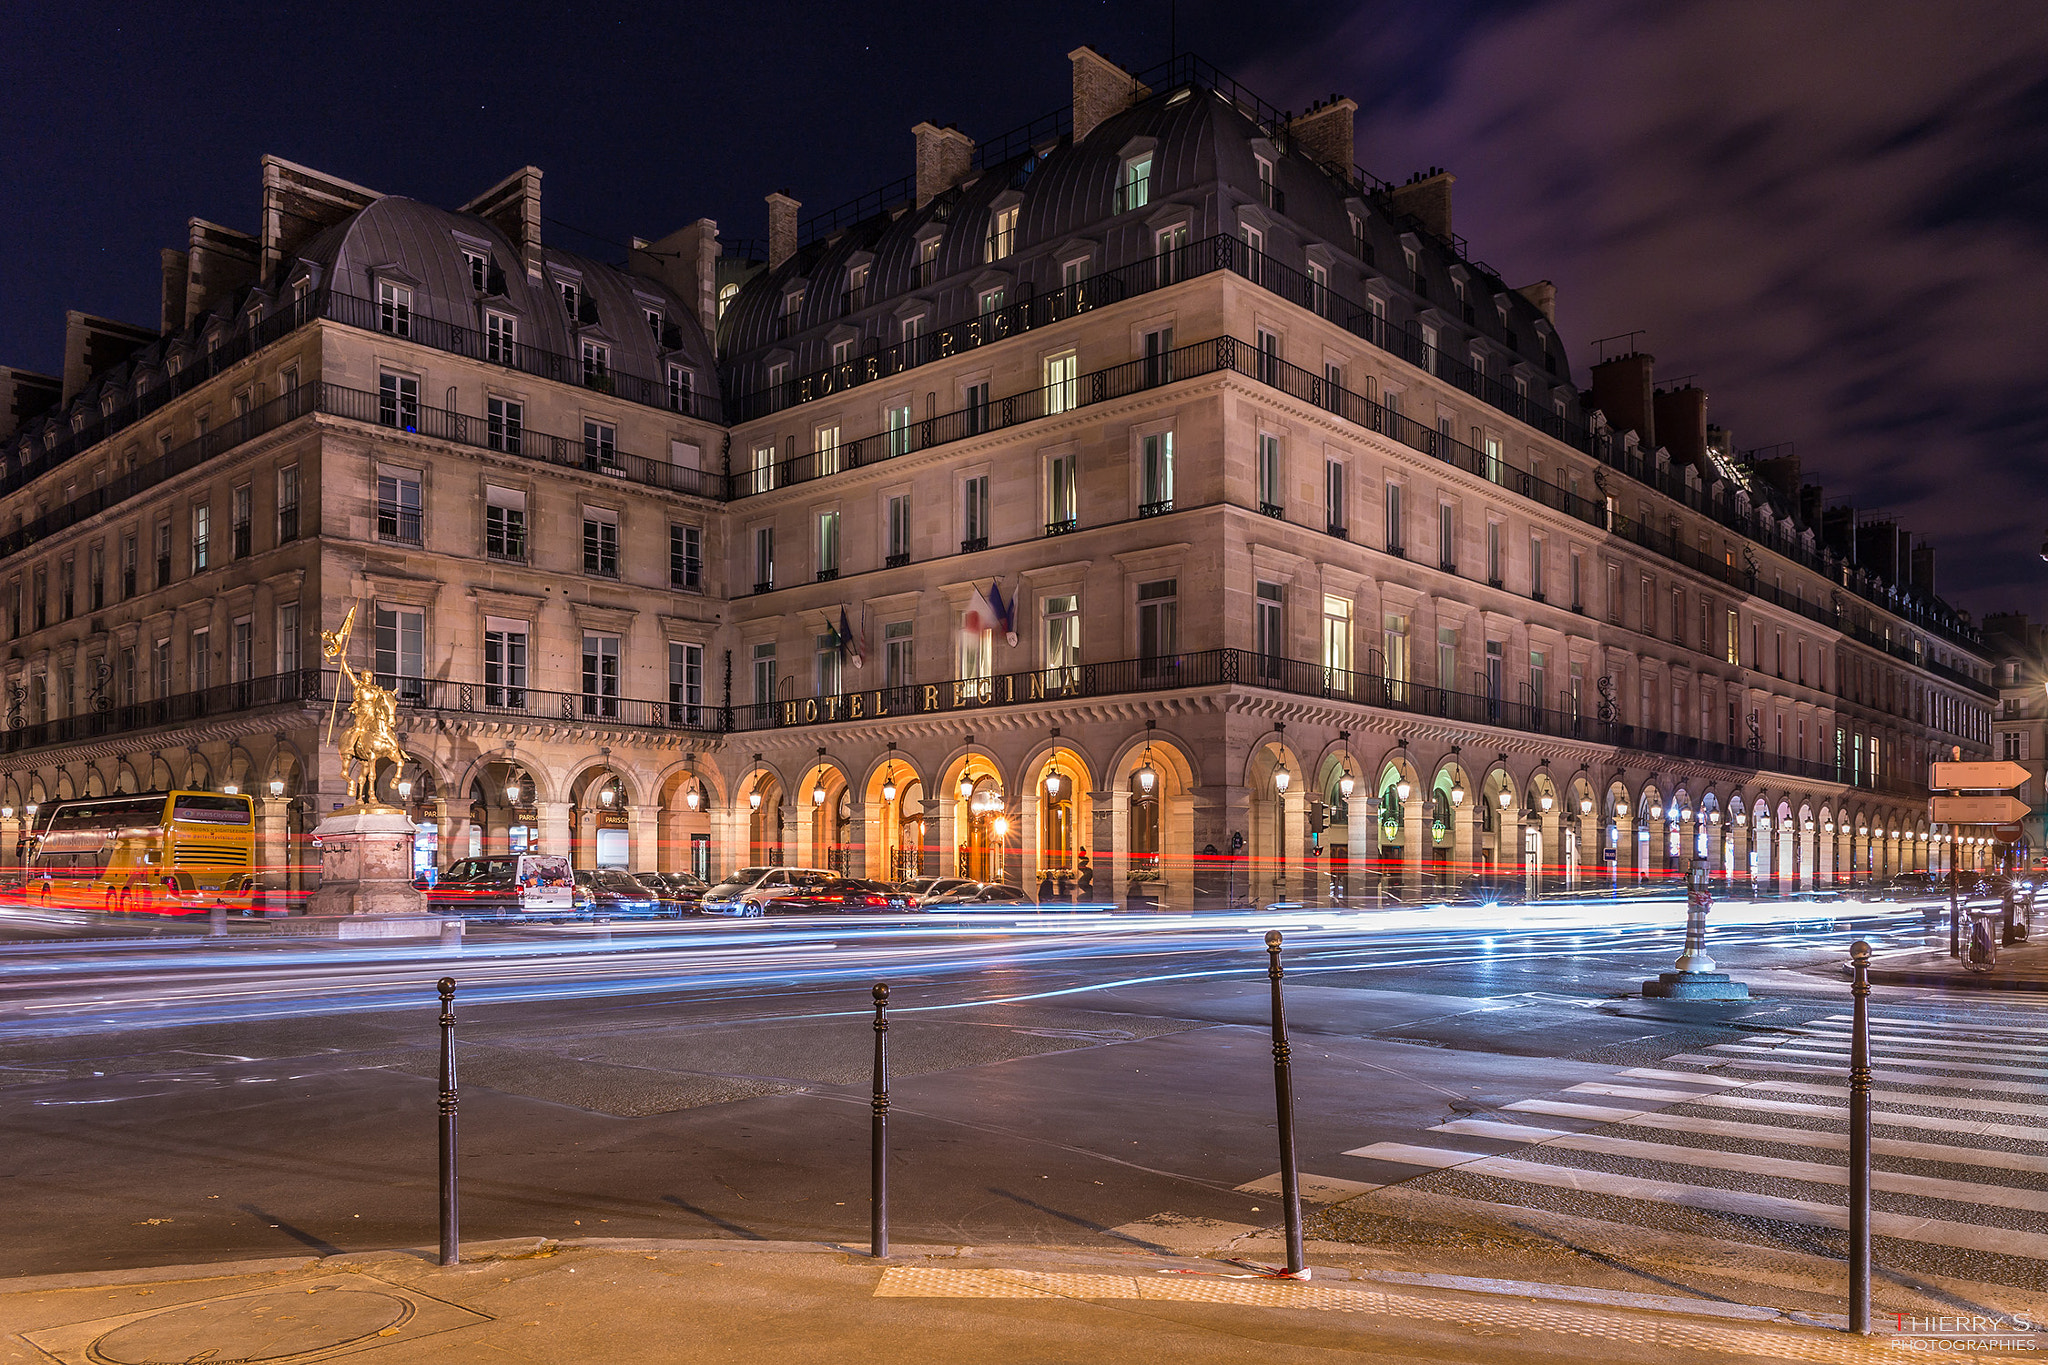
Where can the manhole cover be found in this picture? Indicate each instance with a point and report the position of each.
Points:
(253, 1328)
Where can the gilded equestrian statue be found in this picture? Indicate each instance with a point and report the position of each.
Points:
(373, 722)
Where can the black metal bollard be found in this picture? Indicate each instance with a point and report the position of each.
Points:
(878, 1141)
(1859, 1145)
(1955, 919)
(2009, 933)
(451, 1229)
(1283, 1096)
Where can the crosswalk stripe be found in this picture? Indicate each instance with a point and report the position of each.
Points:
(1635, 1092)
(1564, 1109)
(1889, 1042)
(1881, 1022)
(1493, 1128)
(1931, 1063)
(1739, 1203)
(1906, 1097)
(1645, 1073)
(1921, 1040)
(1957, 1085)
(1838, 1142)
(1881, 1117)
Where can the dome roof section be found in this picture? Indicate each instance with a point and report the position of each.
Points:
(425, 249)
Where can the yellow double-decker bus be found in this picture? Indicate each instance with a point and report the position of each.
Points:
(159, 853)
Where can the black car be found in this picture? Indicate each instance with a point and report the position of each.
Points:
(609, 893)
(930, 889)
(679, 893)
(980, 896)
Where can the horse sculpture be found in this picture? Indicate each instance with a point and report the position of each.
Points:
(373, 722)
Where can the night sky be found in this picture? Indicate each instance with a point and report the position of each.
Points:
(1833, 216)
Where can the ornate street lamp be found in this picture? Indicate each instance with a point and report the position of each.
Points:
(754, 799)
(693, 796)
(230, 789)
(276, 787)
(1401, 789)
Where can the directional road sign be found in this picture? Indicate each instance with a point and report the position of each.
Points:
(1977, 777)
(1977, 810)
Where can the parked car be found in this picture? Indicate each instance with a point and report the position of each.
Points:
(508, 886)
(980, 896)
(748, 891)
(1907, 886)
(842, 895)
(1488, 891)
(929, 888)
(612, 893)
(680, 893)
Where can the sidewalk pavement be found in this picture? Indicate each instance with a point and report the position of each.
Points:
(2021, 967)
(626, 1302)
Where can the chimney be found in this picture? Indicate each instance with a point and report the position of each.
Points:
(1102, 89)
(1923, 574)
(1621, 389)
(944, 156)
(686, 261)
(1680, 417)
(177, 266)
(512, 206)
(298, 202)
(25, 396)
(1838, 531)
(1324, 132)
(1542, 296)
(1781, 472)
(1427, 199)
(95, 345)
(220, 263)
(1810, 503)
(781, 228)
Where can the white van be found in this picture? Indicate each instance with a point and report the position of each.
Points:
(746, 893)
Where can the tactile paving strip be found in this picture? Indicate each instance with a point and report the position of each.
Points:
(1788, 1344)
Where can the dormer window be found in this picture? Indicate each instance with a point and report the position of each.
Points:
(1002, 233)
(394, 309)
(479, 270)
(653, 316)
(1134, 190)
(726, 294)
(792, 303)
(1269, 193)
(928, 259)
(572, 298)
(597, 364)
(856, 287)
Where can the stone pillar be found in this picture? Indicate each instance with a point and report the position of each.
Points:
(1738, 849)
(1824, 869)
(1465, 833)
(554, 826)
(10, 838)
(1550, 871)
(643, 838)
(1414, 842)
(273, 848)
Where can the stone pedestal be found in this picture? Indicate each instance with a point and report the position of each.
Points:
(1694, 986)
(366, 889)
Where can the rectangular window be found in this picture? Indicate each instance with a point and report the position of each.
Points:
(1447, 658)
(1254, 242)
(764, 468)
(828, 545)
(685, 683)
(96, 577)
(1267, 360)
(1062, 496)
(1614, 593)
(1319, 288)
(764, 674)
(1272, 497)
(199, 662)
(1062, 640)
(1158, 346)
(398, 401)
(241, 649)
(601, 541)
(394, 309)
(601, 676)
(975, 413)
(1734, 641)
(1062, 383)
(600, 445)
(129, 557)
(288, 638)
(898, 419)
(1536, 679)
(976, 652)
(504, 425)
(1158, 624)
(825, 450)
(479, 269)
(287, 503)
(1134, 191)
(1156, 495)
(993, 300)
(504, 665)
(899, 530)
(504, 523)
(1493, 575)
(1447, 537)
(597, 366)
(160, 669)
(1536, 567)
(899, 656)
(974, 513)
(1337, 645)
(686, 557)
(680, 396)
(1269, 628)
(1394, 543)
(241, 511)
(501, 337)
(202, 530)
(401, 650)
(1394, 636)
(1494, 664)
(1578, 583)
(764, 558)
(163, 552)
(1002, 233)
(1335, 517)
(830, 665)
(398, 506)
(67, 592)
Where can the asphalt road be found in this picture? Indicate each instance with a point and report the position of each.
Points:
(1060, 1078)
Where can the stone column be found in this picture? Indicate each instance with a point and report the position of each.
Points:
(1465, 833)
(1414, 842)
(554, 826)
(1550, 868)
(273, 846)
(1824, 854)
(10, 836)
(1624, 850)
(643, 826)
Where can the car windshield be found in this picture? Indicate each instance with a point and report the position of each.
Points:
(480, 870)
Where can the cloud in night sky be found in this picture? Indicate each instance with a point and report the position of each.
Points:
(1835, 216)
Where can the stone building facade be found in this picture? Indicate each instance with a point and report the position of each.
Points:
(1149, 489)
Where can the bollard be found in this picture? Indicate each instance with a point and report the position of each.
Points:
(878, 1140)
(451, 1231)
(217, 921)
(1283, 1097)
(451, 933)
(1955, 919)
(1859, 1145)
(2010, 931)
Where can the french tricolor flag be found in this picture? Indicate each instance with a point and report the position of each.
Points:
(979, 618)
